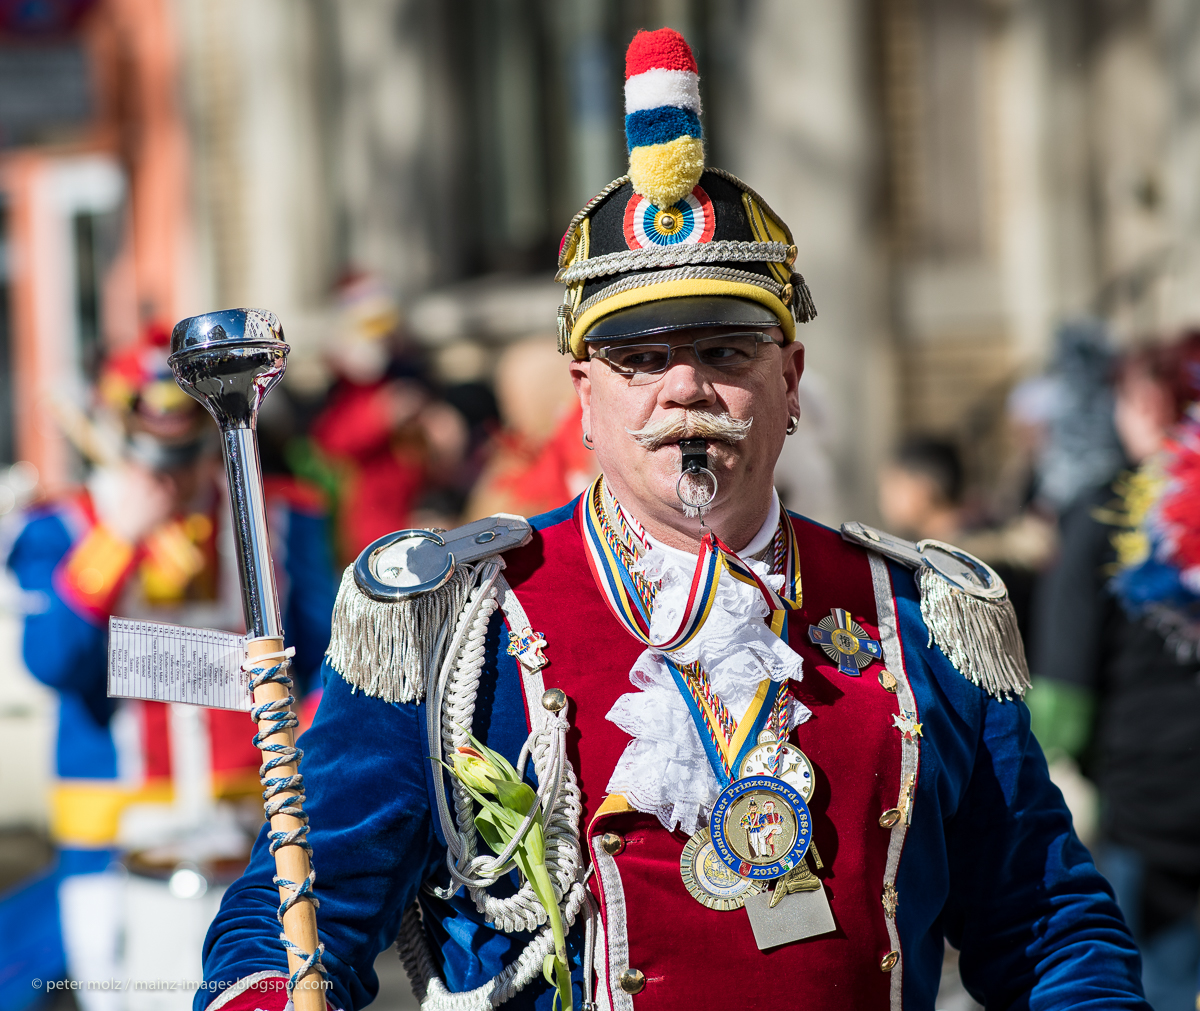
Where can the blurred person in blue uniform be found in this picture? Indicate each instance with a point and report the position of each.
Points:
(1116, 658)
(148, 537)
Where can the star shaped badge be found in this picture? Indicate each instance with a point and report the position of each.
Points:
(906, 722)
(845, 641)
(526, 646)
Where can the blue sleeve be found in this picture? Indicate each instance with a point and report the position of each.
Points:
(993, 855)
(313, 583)
(374, 840)
(61, 648)
(1036, 923)
(373, 845)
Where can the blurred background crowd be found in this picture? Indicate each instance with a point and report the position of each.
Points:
(997, 208)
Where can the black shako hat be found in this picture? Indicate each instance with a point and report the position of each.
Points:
(672, 230)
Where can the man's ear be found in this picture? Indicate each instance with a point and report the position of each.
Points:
(793, 369)
(581, 378)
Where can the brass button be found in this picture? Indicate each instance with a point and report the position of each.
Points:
(888, 680)
(785, 296)
(792, 251)
(889, 817)
(632, 981)
(888, 962)
(554, 700)
(611, 843)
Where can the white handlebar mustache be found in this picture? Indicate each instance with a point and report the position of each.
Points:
(690, 425)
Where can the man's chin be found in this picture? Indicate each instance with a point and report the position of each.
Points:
(663, 474)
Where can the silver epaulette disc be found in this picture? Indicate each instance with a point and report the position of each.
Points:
(959, 568)
(409, 563)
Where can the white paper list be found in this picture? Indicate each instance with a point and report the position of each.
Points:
(173, 663)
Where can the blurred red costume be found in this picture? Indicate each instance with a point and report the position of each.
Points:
(381, 474)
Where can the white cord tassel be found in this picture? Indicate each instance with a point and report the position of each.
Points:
(431, 991)
(980, 637)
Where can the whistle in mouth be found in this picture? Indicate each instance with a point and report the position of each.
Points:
(695, 455)
(694, 461)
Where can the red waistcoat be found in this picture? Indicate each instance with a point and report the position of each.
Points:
(690, 955)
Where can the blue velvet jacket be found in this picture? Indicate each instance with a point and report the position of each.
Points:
(986, 856)
(67, 649)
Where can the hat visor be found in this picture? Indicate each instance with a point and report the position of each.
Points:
(667, 315)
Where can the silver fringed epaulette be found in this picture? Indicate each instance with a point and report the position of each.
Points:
(966, 608)
(400, 598)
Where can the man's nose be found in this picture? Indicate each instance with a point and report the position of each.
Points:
(685, 382)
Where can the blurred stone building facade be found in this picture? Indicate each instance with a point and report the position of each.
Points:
(960, 174)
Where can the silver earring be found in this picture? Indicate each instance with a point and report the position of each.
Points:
(793, 424)
(587, 442)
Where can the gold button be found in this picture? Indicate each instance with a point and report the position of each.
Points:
(888, 680)
(611, 843)
(785, 296)
(791, 255)
(888, 962)
(554, 700)
(889, 817)
(632, 981)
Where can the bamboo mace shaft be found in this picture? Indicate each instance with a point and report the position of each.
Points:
(291, 862)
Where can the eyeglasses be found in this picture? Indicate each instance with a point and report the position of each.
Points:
(643, 363)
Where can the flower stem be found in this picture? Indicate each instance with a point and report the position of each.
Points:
(539, 879)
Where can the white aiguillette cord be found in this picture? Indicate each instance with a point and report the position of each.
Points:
(450, 710)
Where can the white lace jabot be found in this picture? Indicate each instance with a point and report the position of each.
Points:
(664, 770)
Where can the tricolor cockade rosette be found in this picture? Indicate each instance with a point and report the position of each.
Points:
(504, 804)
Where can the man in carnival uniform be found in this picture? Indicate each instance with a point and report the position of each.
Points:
(771, 660)
(143, 540)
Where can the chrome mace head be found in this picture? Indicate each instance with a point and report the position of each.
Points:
(229, 361)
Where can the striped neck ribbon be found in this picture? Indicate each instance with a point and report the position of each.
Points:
(613, 540)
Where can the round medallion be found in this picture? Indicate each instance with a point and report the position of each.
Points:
(760, 827)
(844, 642)
(783, 761)
(709, 881)
(688, 221)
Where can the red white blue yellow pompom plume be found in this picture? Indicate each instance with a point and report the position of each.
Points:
(662, 117)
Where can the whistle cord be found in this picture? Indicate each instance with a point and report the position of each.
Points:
(274, 717)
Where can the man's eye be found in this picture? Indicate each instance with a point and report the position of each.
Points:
(638, 359)
(725, 354)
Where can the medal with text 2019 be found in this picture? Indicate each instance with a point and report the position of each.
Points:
(760, 827)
